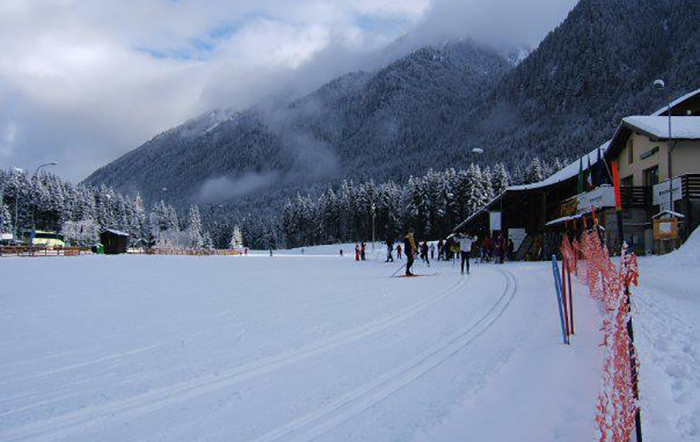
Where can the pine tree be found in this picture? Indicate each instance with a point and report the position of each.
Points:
(5, 218)
(194, 227)
(535, 171)
(500, 180)
(236, 238)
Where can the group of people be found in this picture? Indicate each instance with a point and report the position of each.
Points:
(461, 246)
(498, 249)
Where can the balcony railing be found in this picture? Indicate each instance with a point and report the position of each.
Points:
(635, 197)
(691, 186)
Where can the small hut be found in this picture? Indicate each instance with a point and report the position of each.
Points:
(114, 241)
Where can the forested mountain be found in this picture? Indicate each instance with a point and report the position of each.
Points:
(380, 125)
(428, 110)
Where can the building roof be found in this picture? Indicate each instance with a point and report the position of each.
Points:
(676, 103)
(567, 172)
(115, 232)
(682, 128)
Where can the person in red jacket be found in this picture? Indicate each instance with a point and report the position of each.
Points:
(357, 252)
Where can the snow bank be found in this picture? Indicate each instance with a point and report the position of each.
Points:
(688, 255)
(667, 312)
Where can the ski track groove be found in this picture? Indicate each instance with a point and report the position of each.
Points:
(61, 426)
(362, 398)
(69, 386)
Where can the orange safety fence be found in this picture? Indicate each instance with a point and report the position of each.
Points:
(608, 284)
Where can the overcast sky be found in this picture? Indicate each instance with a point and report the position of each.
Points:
(84, 81)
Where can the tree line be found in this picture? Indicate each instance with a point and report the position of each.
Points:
(432, 204)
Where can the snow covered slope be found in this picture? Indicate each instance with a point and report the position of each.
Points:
(289, 348)
(668, 338)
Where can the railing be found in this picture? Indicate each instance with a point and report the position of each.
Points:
(635, 197)
(691, 186)
(190, 252)
(29, 251)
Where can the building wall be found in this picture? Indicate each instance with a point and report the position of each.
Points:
(686, 158)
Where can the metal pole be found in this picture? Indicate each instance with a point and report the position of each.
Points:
(670, 169)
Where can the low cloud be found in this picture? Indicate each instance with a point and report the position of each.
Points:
(216, 190)
(83, 82)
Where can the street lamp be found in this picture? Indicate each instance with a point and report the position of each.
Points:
(16, 226)
(36, 174)
(660, 85)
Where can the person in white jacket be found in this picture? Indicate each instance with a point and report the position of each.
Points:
(465, 248)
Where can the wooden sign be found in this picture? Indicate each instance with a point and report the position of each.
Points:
(665, 229)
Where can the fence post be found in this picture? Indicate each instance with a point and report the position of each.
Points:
(557, 289)
(571, 299)
(562, 286)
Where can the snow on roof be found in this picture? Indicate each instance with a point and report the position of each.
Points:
(669, 213)
(567, 172)
(687, 128)
(676, 102)
(116, 232)
(564, 218)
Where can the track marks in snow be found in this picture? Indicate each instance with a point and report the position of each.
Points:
(353, 403)
(125, 409)
(675, 353)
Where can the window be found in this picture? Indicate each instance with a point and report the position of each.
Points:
(630, 151)
(649, 153)
(651, 176)
(627, 181)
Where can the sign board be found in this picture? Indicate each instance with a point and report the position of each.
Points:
(660, 193)
(603, 196)
(495, 220)
(518, 236)
(666, 228)
(569, 207)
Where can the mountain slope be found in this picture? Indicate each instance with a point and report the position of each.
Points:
(360, 125)
(429, 109)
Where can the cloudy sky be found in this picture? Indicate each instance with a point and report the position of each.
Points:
(84, 81)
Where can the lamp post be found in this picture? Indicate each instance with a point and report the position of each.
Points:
(36, 175)
(660, 85)
(16, 226)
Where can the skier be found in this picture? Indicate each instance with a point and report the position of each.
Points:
(389, 250)
(465, 248)
(486, 248)
(357, 252)
(439, 249)
(424, 252)
(432, 251)
(363, 248)
(398, 251)
(511, 249)
(341, 253)
(410, 248)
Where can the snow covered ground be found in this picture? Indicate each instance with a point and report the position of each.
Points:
(316, 347)
(666, 326)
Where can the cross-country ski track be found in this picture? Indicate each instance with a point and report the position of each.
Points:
(263, 349)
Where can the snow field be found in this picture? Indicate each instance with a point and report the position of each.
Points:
(667, 314)
(260, 348)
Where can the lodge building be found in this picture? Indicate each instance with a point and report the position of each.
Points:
(536, 215)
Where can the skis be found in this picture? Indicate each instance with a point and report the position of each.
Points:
(414, 276)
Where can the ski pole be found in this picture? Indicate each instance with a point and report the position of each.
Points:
(394, 274)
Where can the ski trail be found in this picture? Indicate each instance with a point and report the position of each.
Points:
(314, 424)
(122, 410)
